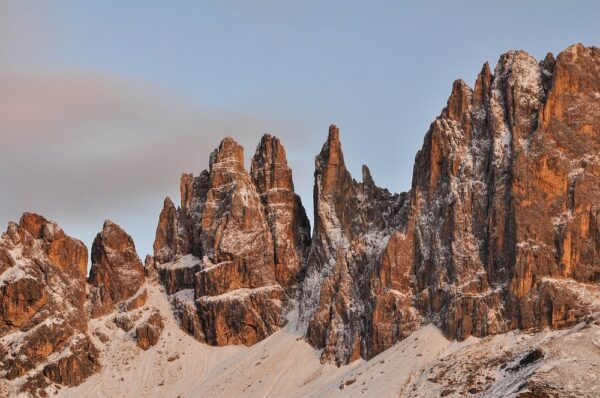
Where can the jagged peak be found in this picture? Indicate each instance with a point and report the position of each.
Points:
(459, 101)
(270, 147)
(26, 216)
(37, 226)
(331, 153)
(33, 223)
(111, 227)
(548, 66)
(513, 60)
(575, 48)
(111, 235)
(333, 138)
(485, 69)
(334, 132)
(168, 202)
(267, 137)
(512, 55)
(575, 51)
(549, 56)
(269, 167)
(116, 272)
(227, 142)
(109, 224)
(186, 189)
(483, 84)
(519, 68)
(367, 179)
(228, 151)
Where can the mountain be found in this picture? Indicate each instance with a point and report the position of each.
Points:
(482, 280)
(499, 231)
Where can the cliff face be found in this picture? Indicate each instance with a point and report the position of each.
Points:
(239, 241)
(285, 214)
(353, 222)
(46, 305)
(514, 175)
(498, 232)
(43, 322)
(117, 272)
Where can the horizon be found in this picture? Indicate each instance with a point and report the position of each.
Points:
(105, 107)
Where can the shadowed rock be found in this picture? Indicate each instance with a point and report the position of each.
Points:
(117, 272)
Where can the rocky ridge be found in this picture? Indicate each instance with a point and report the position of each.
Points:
(232, 255)
(499, 231)
(43, 322)
(47, 303)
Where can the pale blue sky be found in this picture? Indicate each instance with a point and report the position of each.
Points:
(103, 104)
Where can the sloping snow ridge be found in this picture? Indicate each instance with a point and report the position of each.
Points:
(425, 364)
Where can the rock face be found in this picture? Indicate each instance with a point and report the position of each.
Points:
(43, 322)
(503, 164)
(44, 308)
(284, 211)
(149, 330)
(117, 272)
(498, 232)
(239, 240)
(353, 222)
(73, 369)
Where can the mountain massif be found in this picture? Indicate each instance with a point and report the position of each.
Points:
(498, 236)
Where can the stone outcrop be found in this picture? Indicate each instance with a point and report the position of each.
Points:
(242, 316)
(239, 240)
(499, 230)
(179, 274)
(135, 302)
(503, 167)
(149, 330)
(43, 322)
(74, 368)
(44, 308)
(284, 211)
(353, 223)
(117, 272)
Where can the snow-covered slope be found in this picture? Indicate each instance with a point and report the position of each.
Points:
(425, 364)
(281, 365)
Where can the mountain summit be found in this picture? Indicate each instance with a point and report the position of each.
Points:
(483, 279)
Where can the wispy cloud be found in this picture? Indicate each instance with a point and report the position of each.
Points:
(80, 147)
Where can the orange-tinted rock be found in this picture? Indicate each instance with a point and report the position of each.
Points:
(179, 274)
(394, 314)
(166, 242)
(499, 231)
(493, 184)
(136, 301)
(242, 316)
(187, 313)
(117, 272)
(233, 232)
(286, 217)
(42, 305)
(72, 369)
(148, 332)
